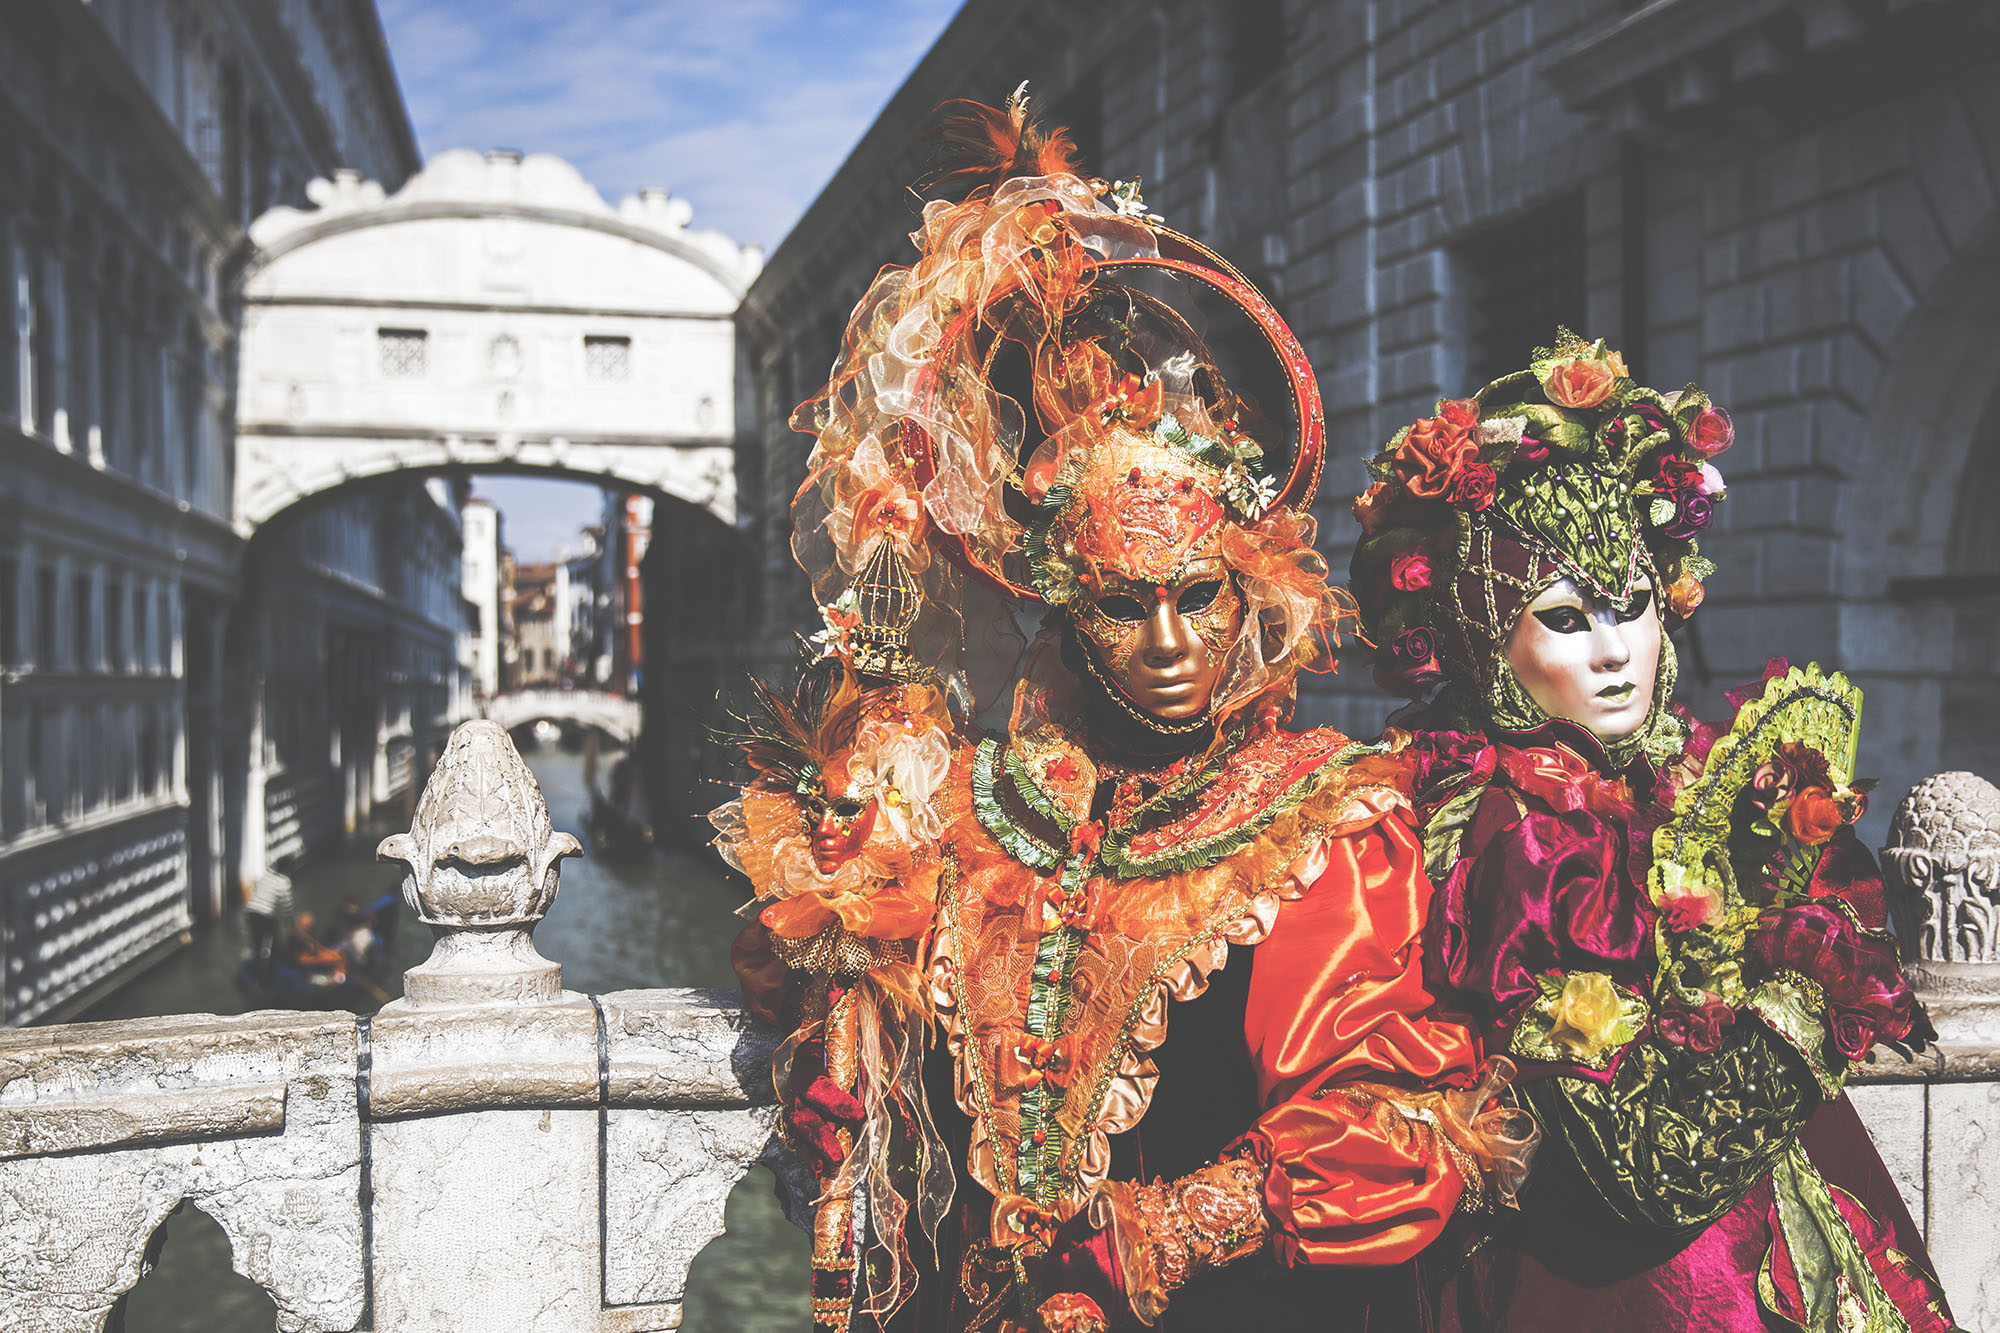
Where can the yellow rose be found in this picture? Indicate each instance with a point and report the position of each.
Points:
(1586, 1013)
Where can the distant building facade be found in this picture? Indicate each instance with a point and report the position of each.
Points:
(480, 571)
(1795, 204)
(537, 612)
(495, 314)
(586, 602)
(137, 142)
(354, 613)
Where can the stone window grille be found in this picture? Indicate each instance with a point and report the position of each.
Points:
(81, 609)
(10, 612)
(47, 645)
(114, 626)
(1522, 279)
(404, 353)
(607, 360)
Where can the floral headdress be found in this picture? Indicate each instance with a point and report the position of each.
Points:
(1569, 468)
(1054, 280)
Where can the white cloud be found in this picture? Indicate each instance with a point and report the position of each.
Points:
(742, 107)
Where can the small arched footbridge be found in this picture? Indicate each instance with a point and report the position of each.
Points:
(613, 714)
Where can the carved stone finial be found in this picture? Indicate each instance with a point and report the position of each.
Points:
(1944, 851)
(481, 869)
(1943, 866)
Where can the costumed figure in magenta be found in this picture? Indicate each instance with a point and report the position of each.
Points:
(1156, 955)
(1670, 927)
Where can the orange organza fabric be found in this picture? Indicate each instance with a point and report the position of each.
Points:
(1343, 1035)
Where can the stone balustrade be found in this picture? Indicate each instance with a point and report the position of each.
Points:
(1936, 1119)
(493, 1153)
(490, 1153)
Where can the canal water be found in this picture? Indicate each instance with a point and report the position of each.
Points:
(664, 922)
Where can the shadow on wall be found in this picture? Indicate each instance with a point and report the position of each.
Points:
(752, 1278)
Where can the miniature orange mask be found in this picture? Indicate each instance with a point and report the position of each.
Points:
(840, 829)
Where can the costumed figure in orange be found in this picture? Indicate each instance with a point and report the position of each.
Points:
(1671, 927)
(1184, 1063)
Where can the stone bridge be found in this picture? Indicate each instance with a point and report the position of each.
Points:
(494, 314)
(613, 714)
(490, 1153)
(493, 1153)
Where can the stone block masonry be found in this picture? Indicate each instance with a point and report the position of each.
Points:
(1798, 215)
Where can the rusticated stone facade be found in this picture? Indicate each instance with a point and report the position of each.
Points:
(1790, 201)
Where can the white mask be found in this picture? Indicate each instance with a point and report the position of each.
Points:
(1580, 659)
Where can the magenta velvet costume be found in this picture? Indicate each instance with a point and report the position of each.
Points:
(1675, 934)
(1545, 882)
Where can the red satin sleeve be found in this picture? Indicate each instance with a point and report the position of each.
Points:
(1346, 1039)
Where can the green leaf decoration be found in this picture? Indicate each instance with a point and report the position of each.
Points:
(1836, 1279)
(1794, 1007)
(1688, 406)
(1818, 710)
(1553, 426)
(1584, 514)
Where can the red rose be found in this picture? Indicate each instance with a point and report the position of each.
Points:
(1432, 454)
(1700, 1030)
(1411, 571)
(1413, 660)
(1473, 487)
(1853, 1032)
(1677, 474)
(1711, 431)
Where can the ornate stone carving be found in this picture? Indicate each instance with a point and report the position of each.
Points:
(1944, 854)
(1943, 865)
(481, 870)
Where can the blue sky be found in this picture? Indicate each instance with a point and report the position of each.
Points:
(744, 108)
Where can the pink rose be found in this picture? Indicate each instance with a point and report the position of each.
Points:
(1689, 903)
(1411, 571)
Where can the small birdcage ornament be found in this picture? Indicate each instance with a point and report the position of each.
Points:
(888, 599)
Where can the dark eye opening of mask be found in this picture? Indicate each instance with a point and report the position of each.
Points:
(1198, 596)
(1120, 607)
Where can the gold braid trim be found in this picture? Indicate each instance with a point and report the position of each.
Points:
(1169, 1230)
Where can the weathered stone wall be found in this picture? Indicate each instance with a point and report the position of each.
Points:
(1789, 202)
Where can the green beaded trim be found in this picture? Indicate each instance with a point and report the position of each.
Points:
(1199, 855)
(1020, 844)
(1031, 792)
(1037, 1173)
